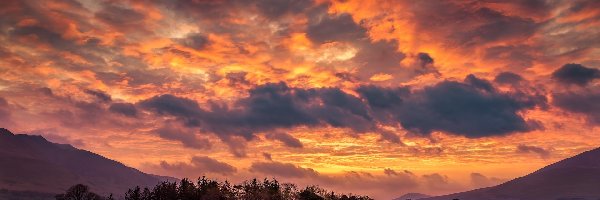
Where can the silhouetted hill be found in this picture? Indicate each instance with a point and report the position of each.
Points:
(31, 163)
(25, 195)
(577, 177)
(412, 196)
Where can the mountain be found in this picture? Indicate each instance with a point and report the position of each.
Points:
(34, 166)
(577, 177)
(412, 196)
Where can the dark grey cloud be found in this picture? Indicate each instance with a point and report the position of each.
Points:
(425, 65)
(479, 83)
(168, 104)
(100, 95)
(286, 139)
(382, 98)
(525, 149)
(237, 78)
(329, 28)
(516, 56)
(184, 135)
(267, 156)
(79, 114)
(390, 172)
(83, 112)
(499, 27)
(508, 78)
(583, 102)
(274, 9)
(287, 170)
(199, 165)
(465, 109)
(127, 109)
(120, 16)
(473, 108)
(199, 10)
(267, 108)
(88, 49)
(44, 35)
(194, 40)
(469, 24)
(425, 59)
(575, 74)
(46, 91)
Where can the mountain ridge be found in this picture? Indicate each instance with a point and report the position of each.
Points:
(577, 177)
(32, 163)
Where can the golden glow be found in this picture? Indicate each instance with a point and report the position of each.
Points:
(70, 49)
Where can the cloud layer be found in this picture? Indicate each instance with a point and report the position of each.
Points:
(346, 88)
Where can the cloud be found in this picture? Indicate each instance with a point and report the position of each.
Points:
(525, 149)
(329, 28)
(582, 102)
(194, 40)
(126, 109)
(286, 139)
(44, 35)
(267, 108)
(120, 17)
(425, 64)
(376, 57)
(479, 180)
(473, 108)
(575, 74)
(282, 170)
(425, 59)
(274, 9)
(514, 56)
(472, 25)
(267, 156)
(436, 181)
(168, 104)
(100, 95)
(508, 78)
(51, 135)
(187, 137)
(396, 181)
(199, 165)
(382, 98)
(5, 111)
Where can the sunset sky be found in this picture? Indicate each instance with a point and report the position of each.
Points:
(370, 97)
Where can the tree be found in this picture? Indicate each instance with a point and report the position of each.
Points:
(79, 192)
(208, 189)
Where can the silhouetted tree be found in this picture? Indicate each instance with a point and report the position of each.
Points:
(310, 193)
(208, 189)
(79, 192)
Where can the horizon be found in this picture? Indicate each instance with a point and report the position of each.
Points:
(377, 98)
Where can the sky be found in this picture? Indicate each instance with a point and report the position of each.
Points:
(370, 97)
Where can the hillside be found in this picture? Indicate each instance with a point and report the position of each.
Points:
(577, 177)
(31, 163)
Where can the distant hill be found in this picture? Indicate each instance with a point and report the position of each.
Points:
(25, 195)
(412, 196)
(573, 178)
(31, 165)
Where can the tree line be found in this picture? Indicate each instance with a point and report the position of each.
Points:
(209, 189)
